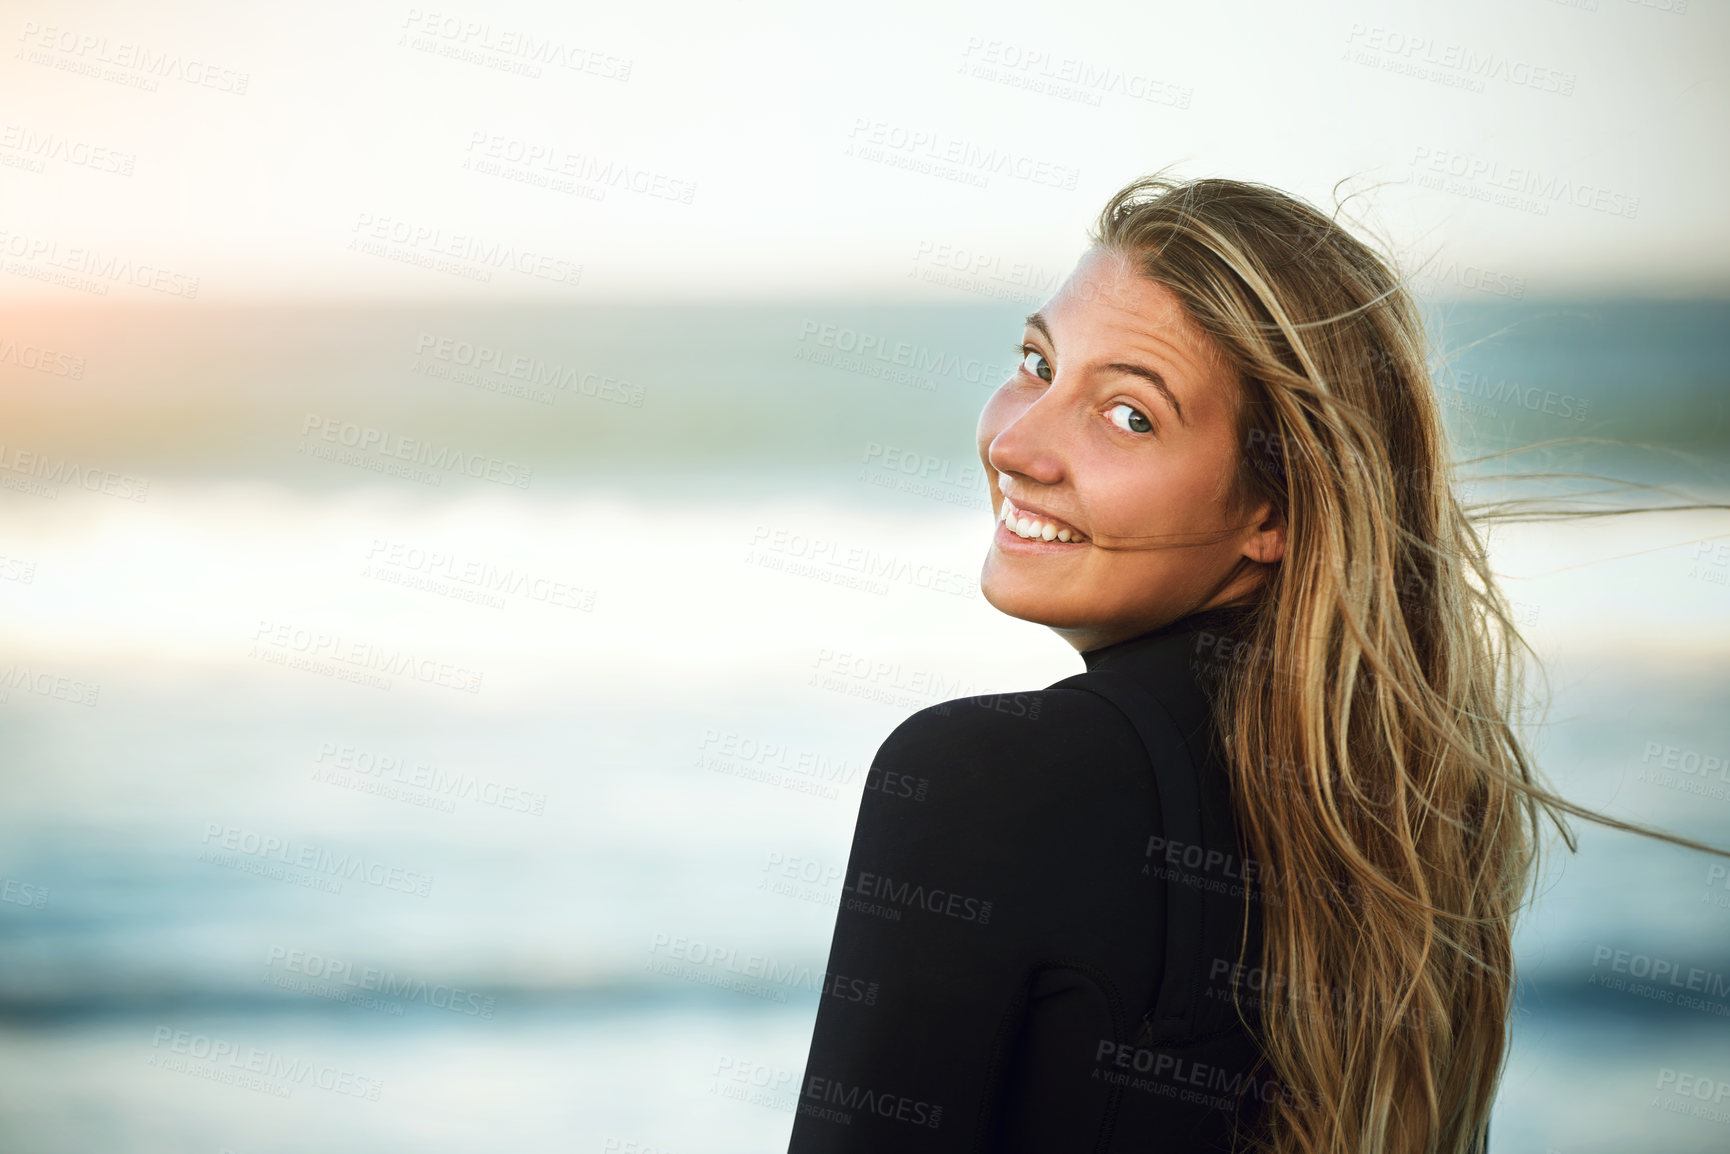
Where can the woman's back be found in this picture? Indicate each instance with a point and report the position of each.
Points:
(1039, 935)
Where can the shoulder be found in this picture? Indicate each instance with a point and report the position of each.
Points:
(1042, 802)
(1006, 721)
(1024, 747)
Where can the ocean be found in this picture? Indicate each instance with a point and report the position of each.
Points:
(438, 727)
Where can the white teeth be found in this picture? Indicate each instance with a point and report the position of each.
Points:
(1032, 528)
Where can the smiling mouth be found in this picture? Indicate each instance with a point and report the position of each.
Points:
(1034, 527)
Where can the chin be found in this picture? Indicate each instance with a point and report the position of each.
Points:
(1033, 605)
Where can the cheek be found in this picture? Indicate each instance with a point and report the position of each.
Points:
(1159, 496)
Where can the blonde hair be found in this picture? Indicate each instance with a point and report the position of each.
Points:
(1372, 733)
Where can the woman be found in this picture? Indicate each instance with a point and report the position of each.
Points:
(1248, 881)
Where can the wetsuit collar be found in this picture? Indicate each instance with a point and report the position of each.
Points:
(1222, 619)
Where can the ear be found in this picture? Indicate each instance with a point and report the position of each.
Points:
(1266, 541)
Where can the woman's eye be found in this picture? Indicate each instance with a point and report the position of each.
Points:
(1134, 422)
(1036, 364)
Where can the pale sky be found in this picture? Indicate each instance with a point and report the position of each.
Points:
(794, 150)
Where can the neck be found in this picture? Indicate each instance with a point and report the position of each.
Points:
(1086, 638)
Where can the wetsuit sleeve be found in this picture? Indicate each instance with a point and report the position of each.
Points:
(995, 923)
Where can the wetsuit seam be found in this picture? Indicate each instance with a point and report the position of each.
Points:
(990, 1106)
(1179, 1030)
(985, 1126)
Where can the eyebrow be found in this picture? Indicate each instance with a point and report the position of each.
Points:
(1037, 321)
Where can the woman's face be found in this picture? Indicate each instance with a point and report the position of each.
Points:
(1118, 431)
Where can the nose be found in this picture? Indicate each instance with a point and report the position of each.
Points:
(1030, 444)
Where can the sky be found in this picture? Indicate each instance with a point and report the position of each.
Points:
(331, 150)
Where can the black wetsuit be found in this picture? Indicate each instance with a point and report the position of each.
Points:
(1039, 936)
